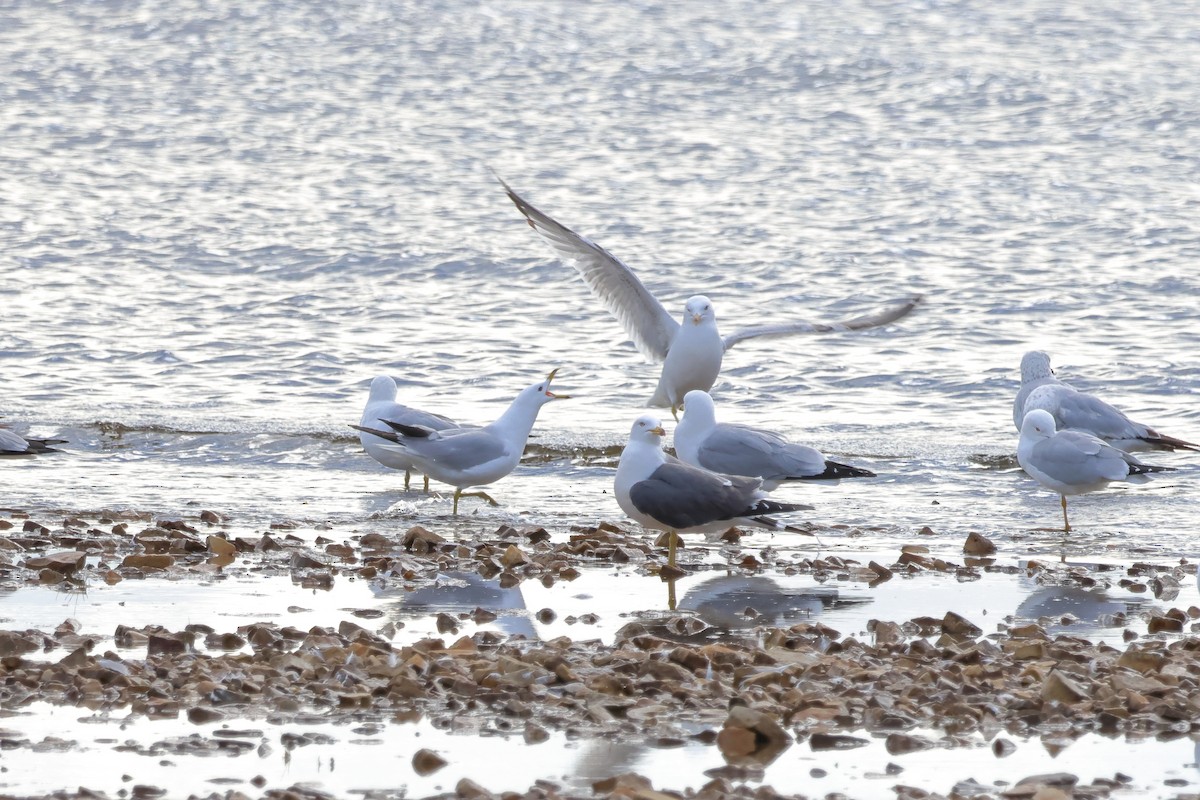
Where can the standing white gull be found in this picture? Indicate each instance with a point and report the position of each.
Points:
(741, 450)
(382, 405)
(661, 492)
(12, 444)
(465, 457)
(690, 352)
(1080, 411)
(1072, 462)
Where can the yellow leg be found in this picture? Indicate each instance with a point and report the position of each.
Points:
(671, 548)
(675, 412)
(407, 478)
(671, 595)
(426, 484)
(482, 495)
(1066, 525)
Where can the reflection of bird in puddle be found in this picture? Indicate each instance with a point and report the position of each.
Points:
(734, 602)
(1093, 608)
(462, 592)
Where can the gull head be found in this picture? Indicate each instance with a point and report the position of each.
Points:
(1035, 365)
(1038, 424)
(647, 429)
(382, 388)
(698, 408)
(699, 310)
(540, 392)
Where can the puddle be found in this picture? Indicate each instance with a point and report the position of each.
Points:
(114, 753)
(485, 670)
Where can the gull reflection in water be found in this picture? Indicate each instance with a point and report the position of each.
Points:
(732, 603)
(456, 593)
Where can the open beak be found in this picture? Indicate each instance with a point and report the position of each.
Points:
(551, 394)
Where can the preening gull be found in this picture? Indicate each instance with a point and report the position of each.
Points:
(690, 352)
(661, 492)
(741, 450)
(1073, 462)
(465, 457)
(1080, 411)
(382, 405)
(12, 444)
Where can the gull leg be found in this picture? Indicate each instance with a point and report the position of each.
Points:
(481, 495)
(407, 478)
(426, 484)
(1066, 524)
(671, 548)
(675, 412)
(671, 596)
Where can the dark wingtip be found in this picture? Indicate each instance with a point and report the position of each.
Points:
(391, 437)
(415, 431)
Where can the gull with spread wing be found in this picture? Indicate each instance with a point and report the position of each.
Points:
(690, 351)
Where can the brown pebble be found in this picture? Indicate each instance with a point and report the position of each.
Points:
(201, 716)
(426, 762)
(65, 563)
(513, 557)
(978, 545)
(148, 561)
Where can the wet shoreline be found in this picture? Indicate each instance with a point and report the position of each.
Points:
(753, 663)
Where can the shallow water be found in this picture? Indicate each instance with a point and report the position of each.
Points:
(217, 224)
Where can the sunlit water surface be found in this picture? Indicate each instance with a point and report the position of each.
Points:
(217, 224)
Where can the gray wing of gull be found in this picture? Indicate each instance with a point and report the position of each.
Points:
(1078, 459)
(739, 450)
(683, 496)
(457, 448)
(1080, 411)
(883, 317)
(426, 419)
(648, 324)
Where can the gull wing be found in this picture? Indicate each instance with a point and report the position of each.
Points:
(1076, 410)
(1078, 459)
(740, 450)
(683, 496)
(648, 324)
(882, 317)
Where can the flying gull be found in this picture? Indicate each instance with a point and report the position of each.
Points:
(465, 457)
(690, 351)
(1073, 462)
(660, 491)
(1080, 411)
(741, 450)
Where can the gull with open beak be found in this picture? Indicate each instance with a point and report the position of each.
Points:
(464, 457)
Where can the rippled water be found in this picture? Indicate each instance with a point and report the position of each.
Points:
(218, 223)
